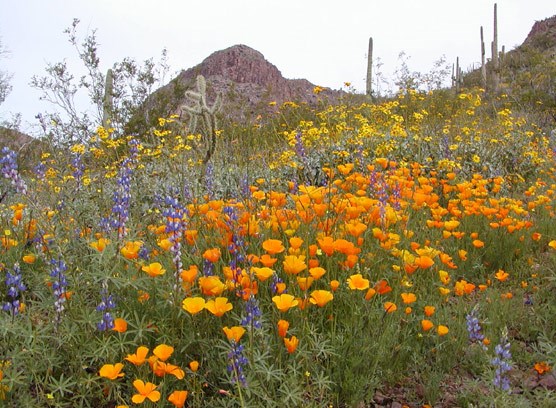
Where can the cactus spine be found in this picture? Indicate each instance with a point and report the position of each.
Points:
(108, 99)
(370, 69)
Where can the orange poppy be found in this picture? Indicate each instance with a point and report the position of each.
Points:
(163, 352)
(234, 333)
(189, 275)
(304, 282)
(382, 287)
(120, 325)
(193, 305)
(326, 244)
(29, 258)
(212, 255)
(426, 325)
(165, 244)
(283, 326)
(139, 357)
(145, 391)
(357, 282)
(295, 242)
(317, 272)
(194, 365)
(334, 285)
(477, 243)
(263, 273)
(501, 275)
(370, 293)
(294, 264)
(100, 245)
(321, 297)
(291, 343)
(160, 369)
(429, 310)
(442, 330)
(218, 306)
(267, 260)
(409, 298)
(444, 277)
(154, 269)
(177, 398)
(111, 371)
(211, 285)
(424, 262)
(390, 307)
(131, 249)
(542, 367)
(273, 246)
(285, 301)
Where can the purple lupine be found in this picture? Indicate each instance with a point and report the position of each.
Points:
(9, 170)
(502, 364)
(122, 195)
(237, 362)
(244, 187)
(106, 304)
(209, 181)
(474, 328)
(59, 286)
(175, 227)
(274, 285)
(299, 147)
(78, 168)
(14, 282)
(40, 170)
(144, 252)
(397, 197)
(253, 313)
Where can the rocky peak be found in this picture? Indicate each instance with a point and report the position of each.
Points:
(542, 34)
(240, 64)
(247, 82)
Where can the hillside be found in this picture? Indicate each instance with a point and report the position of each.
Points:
(27, 147)
(528, 73)
(250, 86)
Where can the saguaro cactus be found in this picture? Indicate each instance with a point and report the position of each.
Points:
(457, 76)
(200, 111)
(495, 59)
(483, 66)
(370, 69)
(108, 99)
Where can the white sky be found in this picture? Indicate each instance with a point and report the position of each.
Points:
(324, 41)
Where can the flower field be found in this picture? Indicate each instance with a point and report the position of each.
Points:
(350, 255)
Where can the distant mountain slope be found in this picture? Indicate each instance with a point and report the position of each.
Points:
(27, 148)
(542, 35)
(528, 74)
(249, 84)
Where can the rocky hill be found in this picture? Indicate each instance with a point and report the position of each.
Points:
(543, 35)
(249, 84)
(27, 148)
(528, 74)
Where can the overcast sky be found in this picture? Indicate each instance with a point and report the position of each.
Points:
(324, 41)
